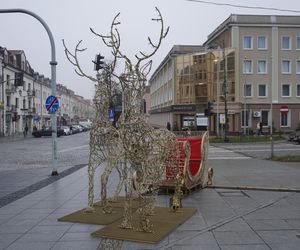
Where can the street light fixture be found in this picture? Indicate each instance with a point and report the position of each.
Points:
(222, 46)
(218, 94)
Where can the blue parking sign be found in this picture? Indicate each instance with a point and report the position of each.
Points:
(51, 104)
(111, 114)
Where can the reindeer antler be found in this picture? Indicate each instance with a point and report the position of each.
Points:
(73, 59)
(113, 41)
(163, 34)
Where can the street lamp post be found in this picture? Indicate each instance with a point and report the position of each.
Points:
(225, 96)
(271, 112)
(245, 111)
(218, 95)
(222, 46)
(53, 64)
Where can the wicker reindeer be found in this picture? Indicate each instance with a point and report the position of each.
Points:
(138, 151)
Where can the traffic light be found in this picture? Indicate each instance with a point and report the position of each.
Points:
(208, 110)
(19, 78)
(98, 62)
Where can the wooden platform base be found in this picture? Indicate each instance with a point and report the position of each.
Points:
(168, 187)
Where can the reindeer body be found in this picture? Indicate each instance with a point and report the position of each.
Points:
(139, 149)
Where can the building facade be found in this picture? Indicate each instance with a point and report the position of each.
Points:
(266, 72)
(245, 73)
(179, 87)
(23, 94)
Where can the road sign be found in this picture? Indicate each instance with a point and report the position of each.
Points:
(284, 109)
(222, 118)
(111, 114)
(36, 118)
(51, 104)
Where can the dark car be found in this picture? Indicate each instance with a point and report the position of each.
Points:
(295, 136)
(47, 131)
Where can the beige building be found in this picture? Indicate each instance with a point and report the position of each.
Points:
(265, 52)
(23, 102)
(248, 69)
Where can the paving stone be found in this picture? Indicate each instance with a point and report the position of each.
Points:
(232, 238)
(280, 236)
(273, 224)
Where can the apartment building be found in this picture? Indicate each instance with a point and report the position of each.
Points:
(267, 70)
(23, 93)
(253, 67)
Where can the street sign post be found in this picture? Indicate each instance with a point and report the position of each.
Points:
(284, 109)
(51, 104)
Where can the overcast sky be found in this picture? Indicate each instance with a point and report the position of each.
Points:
(190, 23)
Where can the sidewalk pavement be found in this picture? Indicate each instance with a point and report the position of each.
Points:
(226, 218)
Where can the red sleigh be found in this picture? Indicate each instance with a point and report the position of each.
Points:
(192, 163)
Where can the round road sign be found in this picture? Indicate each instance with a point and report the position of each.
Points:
(284, 109)
(51, 104)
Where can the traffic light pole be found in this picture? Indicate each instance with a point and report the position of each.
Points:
(53, 64)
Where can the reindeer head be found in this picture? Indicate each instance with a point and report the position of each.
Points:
(134, 76)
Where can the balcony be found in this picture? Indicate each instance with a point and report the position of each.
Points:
(31, 111)
(31, 93)
(10, 89)
(11, 109)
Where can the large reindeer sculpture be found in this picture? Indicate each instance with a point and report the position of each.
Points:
(141, 150)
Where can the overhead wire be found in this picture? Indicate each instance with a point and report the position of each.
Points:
(244, 6)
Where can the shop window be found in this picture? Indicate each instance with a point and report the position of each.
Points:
(284, 120)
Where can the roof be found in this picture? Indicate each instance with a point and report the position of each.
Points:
(178, 50)
(254, 20)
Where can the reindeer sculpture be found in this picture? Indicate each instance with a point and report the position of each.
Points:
(142, 150)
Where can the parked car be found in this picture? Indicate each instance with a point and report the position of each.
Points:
(67, 130)
(76, 129)
(84, 128)
(47, 131)
(295, 136)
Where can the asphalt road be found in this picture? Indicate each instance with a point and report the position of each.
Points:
(30, 152)
(260, 150)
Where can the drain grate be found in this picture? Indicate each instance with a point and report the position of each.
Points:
(236, 193)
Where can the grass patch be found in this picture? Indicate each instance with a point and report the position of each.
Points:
(242, 139)
(288, 158)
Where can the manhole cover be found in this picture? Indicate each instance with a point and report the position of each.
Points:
(232, 193)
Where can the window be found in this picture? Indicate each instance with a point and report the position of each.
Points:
(265, 117)
(17, 102)
(298, 67)
(298, 42)
(247, 66)
(261, 42)
(247, 90)
(247, 42)
(286, 43)
(286, 67)
(261, 67)
(284, 120)
(262, 90)
(7, 80)
(243, 118)
(7, 100)
(298, 90)
(285, 90)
